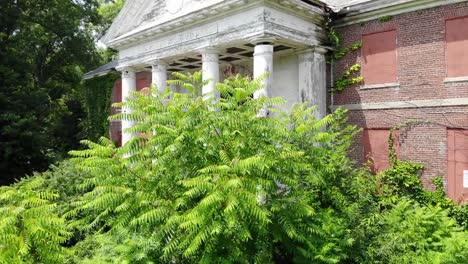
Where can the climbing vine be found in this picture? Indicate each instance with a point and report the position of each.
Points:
(96, 98)
(349, 76)
(391, 141)
(403, 179)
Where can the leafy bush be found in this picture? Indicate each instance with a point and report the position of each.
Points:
(30, 230)
(215, 183)
(407, 233)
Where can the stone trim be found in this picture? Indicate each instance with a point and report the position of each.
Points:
(380, 86)
(406, 104)
(460, 79)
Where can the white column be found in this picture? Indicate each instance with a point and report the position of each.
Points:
(312, 79)
(210, 71)
(263, 63)
(159, 75)
(128, 86)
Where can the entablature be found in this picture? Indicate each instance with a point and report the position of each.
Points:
(218, 12)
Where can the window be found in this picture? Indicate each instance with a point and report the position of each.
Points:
(379, 58)
(457, 178)
(456, 37)
(375, 143)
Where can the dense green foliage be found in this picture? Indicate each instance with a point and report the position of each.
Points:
(45, 47)
(30, 230)
(215, 183)
(97, 103)
(43, 54)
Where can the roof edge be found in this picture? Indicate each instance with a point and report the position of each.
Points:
(372, 10)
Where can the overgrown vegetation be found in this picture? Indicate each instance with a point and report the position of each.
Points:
(215, 183)
(45, 47)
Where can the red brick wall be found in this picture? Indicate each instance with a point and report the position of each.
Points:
(421, 70)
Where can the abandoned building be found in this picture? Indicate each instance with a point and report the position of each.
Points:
(412, 57)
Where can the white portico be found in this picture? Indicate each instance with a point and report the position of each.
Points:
(221, 38)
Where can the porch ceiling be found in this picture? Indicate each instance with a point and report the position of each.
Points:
(235, 53)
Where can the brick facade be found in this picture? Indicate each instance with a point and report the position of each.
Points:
(421, 70)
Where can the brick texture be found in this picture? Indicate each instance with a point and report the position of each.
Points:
(421, 70)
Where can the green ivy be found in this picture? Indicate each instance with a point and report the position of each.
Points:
(385, 19)
(339, 52)
(347, 79)
(97, 101)
(403, 179)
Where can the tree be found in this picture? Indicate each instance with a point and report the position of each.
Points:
(45, 47)
(217, 183)
(214, 183)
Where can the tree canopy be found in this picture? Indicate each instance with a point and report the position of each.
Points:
(45, 47)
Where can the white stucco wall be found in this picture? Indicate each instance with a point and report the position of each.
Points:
(285, 79)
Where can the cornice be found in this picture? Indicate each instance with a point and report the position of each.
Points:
(137, 36)
(379, 8)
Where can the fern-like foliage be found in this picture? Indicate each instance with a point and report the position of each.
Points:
(30, 231)
(213, 182)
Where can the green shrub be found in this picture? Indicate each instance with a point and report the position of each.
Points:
(408, 233)
(30, 229)
(217, 183)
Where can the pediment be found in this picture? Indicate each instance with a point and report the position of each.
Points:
(140, 14)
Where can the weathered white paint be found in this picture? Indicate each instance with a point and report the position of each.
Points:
(256, 22)
(462, 79)
(140, 22)
(210, 71)
(312, 79)
(159, 75)
(285, 81)
(380, 86)
(128, 86)
(159, 32)
(263, 67)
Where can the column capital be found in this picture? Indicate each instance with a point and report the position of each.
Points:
(127, 71)
(320, 50)
(312, 50)
(306, 54)
(263, 49)
(159, 66)
(209, 50)
(127, 68)
(263, 40)
(210, 54)
(158, 62)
